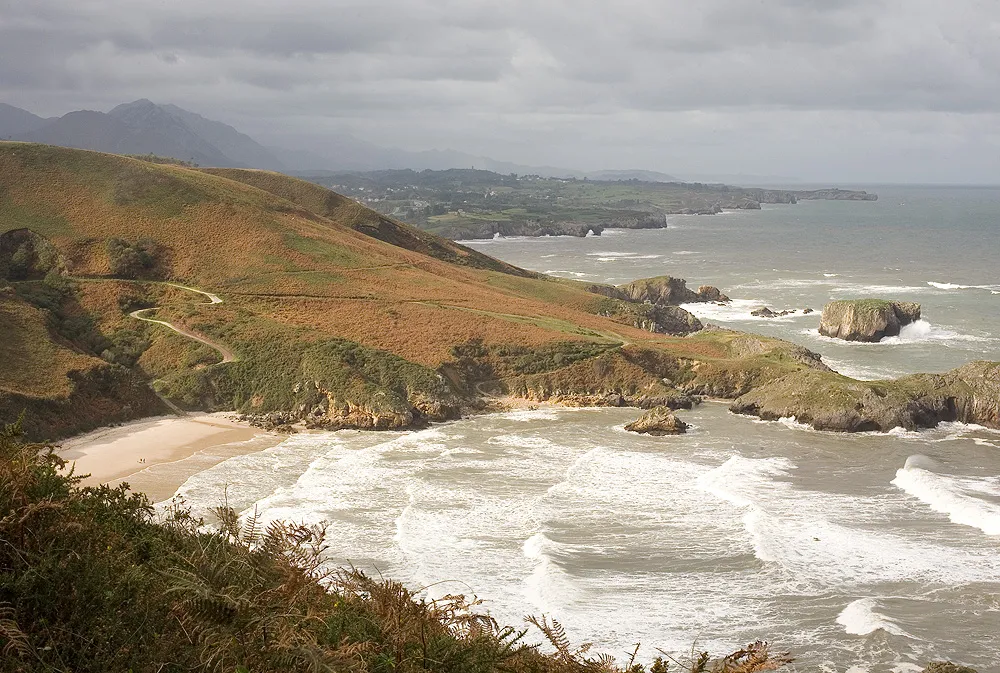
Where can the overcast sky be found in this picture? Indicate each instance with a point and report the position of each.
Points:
(827, 90)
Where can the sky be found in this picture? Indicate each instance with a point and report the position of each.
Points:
(854, 91)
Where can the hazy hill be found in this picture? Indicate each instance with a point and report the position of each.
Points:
(167, 130)
(143, 127)
(14, 121)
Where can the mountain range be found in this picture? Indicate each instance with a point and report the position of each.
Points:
(143, 127)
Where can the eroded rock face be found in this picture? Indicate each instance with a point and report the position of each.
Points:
(673, 320)
(658, 421)
(868, 320)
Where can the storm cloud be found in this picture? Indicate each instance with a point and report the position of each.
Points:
(846, 90)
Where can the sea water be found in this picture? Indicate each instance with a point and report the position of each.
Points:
(857, 552)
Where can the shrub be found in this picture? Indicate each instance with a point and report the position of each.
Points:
(132, 260)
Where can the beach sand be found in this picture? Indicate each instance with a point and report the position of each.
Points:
(156, 455)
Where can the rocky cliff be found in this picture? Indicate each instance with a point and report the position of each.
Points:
(835, 195)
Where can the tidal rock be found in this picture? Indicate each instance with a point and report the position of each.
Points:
(806, 311)
(947, 667)
(658, 421)
(765, 312)
(868, 320)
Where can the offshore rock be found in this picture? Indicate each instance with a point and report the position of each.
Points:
(658, 421)
(868, 320)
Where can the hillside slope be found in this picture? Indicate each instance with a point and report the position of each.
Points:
(334, 314)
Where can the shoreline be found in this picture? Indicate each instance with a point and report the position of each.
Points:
(156, 455)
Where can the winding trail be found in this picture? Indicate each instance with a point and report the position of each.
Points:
(227, 355)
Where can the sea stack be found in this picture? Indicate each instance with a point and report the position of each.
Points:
(868, 320)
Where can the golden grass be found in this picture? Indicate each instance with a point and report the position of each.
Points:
(281, 250)
(34, 364)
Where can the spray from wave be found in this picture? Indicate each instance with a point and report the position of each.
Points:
(860, 618)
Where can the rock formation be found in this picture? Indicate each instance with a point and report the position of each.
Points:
(765, 312)
(830, 401)
(866, 319)
(658, 421)
(711, 293)
(660, 290)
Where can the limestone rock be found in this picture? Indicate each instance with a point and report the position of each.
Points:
(658, 421)
(868, 320)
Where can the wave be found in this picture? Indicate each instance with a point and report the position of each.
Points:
(993, 289)
(859, 618)
(820, 538)
(951, 495)
(857, 371)
(548, 585)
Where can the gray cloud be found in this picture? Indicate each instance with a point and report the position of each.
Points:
(823, 89)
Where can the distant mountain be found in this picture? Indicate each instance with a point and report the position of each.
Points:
(237, 146)
(143, 127)
(14, 121)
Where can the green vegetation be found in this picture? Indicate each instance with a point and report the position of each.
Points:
(132, 260)
(92, 580)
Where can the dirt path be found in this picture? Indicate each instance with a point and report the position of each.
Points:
(227, 355)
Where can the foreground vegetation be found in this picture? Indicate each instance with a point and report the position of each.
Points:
(92, 580)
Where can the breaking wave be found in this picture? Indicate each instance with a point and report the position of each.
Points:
(967, 501)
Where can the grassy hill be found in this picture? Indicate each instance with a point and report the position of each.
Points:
(333, 311)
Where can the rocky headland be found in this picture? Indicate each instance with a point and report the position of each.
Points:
(831, 401)
(868, 320)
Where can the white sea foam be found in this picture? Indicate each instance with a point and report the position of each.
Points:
(957, 497)
(993, 289)
(736, 310)
(856, 370)
(527, 415)
(860, 618)
(916, 332)
(821, 538)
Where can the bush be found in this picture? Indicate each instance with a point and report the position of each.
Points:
(132, 260)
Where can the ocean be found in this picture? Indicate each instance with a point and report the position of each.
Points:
(869, 552)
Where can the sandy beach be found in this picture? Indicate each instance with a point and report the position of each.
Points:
(156, 455)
